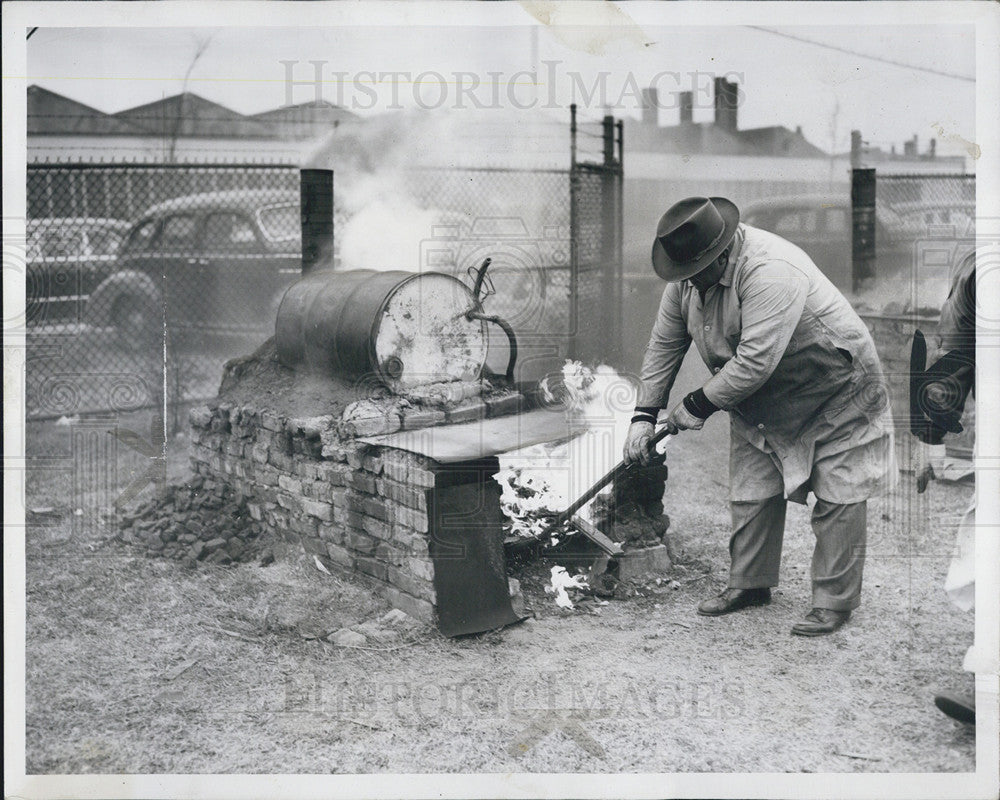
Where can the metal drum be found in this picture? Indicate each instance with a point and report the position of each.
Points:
(406, 328)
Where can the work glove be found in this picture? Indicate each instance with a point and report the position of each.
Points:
(683, 420)
(637, 449)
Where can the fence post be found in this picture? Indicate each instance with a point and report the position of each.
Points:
(574, 233)
(610, 253)
(619, 265)
(608, 131)
(862, 226)
(856, 149)
(316, 199)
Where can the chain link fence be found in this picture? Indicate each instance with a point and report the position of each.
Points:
(911, 232)
(142, 280)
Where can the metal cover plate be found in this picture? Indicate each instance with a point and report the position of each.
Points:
(487, 437)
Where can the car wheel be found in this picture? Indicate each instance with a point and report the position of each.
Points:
(136, 322)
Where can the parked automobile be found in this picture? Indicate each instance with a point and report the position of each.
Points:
(214, 262)
(821, 225)
(67, 259)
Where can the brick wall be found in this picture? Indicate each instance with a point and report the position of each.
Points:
(354, 506)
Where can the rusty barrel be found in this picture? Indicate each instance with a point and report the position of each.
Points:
(405, 328)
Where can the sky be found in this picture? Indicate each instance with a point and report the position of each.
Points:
(784, 81)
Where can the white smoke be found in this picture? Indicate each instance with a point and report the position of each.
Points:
(386, 233)
(388, 190)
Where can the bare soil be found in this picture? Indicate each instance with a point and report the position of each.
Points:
(261, 381)
(140, 665)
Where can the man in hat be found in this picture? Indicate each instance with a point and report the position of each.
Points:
(797, 371)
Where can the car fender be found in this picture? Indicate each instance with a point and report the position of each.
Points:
(121, 283)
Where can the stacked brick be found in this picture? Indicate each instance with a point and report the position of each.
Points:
(199, 520)
(355, 506)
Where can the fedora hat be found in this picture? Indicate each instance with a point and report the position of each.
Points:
(692, 234)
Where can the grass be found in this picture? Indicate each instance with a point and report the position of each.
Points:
(139, 665)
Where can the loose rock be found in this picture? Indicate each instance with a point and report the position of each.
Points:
(345, 637)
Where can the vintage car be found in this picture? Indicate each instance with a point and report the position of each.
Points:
(216, 262)
(67, 259)
(905, 233)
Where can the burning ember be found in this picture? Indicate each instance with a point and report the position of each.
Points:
(539, 482)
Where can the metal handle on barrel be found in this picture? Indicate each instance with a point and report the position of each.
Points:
(476, 312)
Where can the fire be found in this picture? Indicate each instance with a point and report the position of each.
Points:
(540, 481)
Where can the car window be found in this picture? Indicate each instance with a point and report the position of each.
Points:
(104, 242)
(280, 223)
(226, 232)
(58, 243)
(178, 233)
(142, 237)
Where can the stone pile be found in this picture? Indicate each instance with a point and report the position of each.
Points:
(201, 520)
(632, 513)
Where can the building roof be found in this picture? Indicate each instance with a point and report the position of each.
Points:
(777, 140)
(712, 139)
(189, 114)
(686, 138)
(52, 113)
(305, 120)
(181, 115)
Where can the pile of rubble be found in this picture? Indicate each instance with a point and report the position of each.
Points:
(198, 521)
(632, 513)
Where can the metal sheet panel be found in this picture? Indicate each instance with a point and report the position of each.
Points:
(473, 440)
(470, 576)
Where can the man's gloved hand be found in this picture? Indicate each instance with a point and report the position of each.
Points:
(683, 420)
(637, 449)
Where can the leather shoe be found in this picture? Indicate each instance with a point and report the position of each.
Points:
(733, 600)
(820, 622)
(957, 706)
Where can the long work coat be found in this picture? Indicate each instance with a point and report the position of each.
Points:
(792, 363)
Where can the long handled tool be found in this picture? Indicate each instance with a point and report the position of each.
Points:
(610, 547)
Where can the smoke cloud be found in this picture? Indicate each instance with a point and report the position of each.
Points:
(399, 180)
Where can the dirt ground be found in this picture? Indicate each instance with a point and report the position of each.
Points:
(141, 665)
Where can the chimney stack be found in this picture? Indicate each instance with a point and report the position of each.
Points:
(686, 102)
(650, 107)
(726, 94)
(910, 147)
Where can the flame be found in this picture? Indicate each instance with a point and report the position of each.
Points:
(540, 481)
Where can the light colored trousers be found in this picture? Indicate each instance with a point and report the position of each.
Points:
(838, 558)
